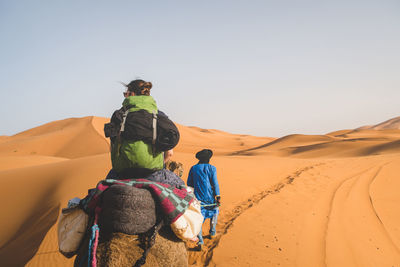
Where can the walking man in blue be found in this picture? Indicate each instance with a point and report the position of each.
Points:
(203, 178)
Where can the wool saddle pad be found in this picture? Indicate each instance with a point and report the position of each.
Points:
(128, 210)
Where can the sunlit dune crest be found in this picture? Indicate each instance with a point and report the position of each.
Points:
(346, 143)
(69, 138)
(194, 139)
(386, 125)
(299, 200)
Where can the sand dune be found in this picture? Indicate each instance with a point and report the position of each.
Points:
(334, 213)
(354, 143)
(340, 132)
(386, 125)
(16, 162)
(294, 140)
(194, 139)
(304, 200)
(37, 194)
(70, 138)
(3, 138)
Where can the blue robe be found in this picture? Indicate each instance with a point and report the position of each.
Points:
(203, 179)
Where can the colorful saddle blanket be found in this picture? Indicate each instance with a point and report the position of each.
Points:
(173, 201)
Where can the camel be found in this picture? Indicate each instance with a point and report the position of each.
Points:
(175, 167)
(126, 213)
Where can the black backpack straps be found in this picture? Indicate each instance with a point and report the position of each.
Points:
(124, 120)
(124, 115)
(154, 131)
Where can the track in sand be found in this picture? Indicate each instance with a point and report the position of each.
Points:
(226, 221)
(340, 223)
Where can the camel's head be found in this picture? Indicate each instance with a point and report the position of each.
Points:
(175, 167)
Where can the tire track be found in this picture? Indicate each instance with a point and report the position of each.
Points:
(312, 251)
(355, 235)
(230, 216)
(376, 213)
(339, 187)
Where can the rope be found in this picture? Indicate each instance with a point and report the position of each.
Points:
(208, 205)
(147, 241)
(94, 240)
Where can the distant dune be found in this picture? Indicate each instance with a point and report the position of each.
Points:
(348, 143)
(299, 200)
(386, 125)
(194, 139)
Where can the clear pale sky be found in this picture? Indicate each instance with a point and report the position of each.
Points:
(266, 68)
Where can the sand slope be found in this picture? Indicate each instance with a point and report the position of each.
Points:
(299, 200)
(194, 139)
(355, 143)
(389, 124)
(16, 162)
(333, 213)
(70, 138)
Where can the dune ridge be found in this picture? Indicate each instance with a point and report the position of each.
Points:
(70, 138)
(304, 200)
(393, 123)
(355, 143)
(221, 142)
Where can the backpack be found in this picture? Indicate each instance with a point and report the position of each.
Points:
(152, 128)
(139, 134)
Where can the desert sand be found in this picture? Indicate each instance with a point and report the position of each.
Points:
(300, 200)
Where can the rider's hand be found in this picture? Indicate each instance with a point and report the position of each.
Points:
(218, 200)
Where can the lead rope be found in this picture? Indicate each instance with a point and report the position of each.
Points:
(209, 205)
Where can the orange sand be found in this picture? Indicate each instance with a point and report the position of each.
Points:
(300, 200)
